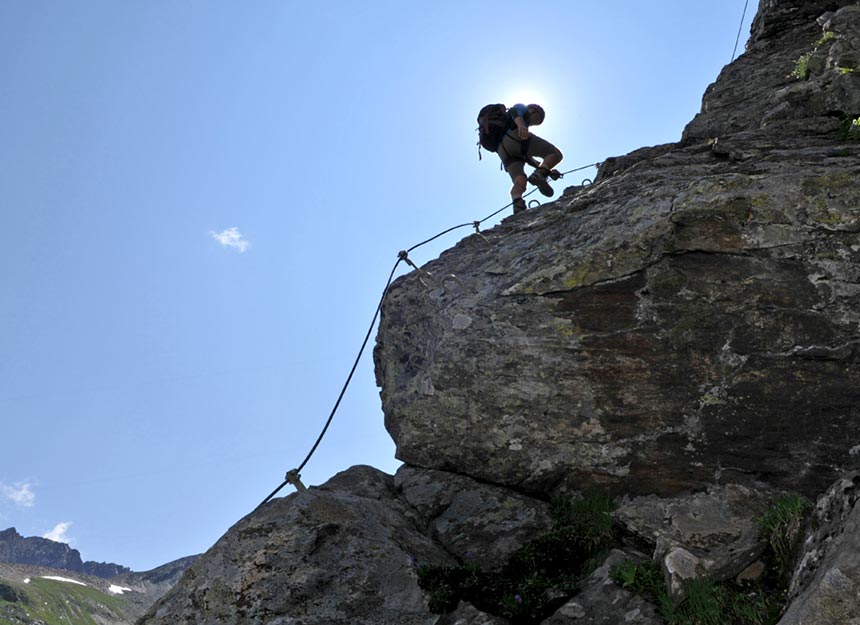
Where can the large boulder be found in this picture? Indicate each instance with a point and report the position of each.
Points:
(691, 318)
(341, 554)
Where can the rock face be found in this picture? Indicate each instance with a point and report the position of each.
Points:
(343, 554)
(602, 602)
(827, 581)
(684, 333)
(712, 533)
(691, 318)
(16, 549)
(483, 523)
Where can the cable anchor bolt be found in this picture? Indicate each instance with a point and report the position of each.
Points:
(404, 256)
(294, 478)
(477, 226)
(451, 277)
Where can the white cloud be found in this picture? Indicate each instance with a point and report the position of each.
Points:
(58, 534)
(21, 494)
(231, 237)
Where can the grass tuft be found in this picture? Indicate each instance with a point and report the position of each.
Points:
(540, 576)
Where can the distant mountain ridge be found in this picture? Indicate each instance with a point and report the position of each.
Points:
(42, 580)
(16, 549)
(42, 595)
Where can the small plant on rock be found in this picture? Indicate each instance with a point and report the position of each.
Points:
(706, 602)
(644, 579)
(801, 66)
(540, 576)
(851, 129)
(827, 36)
(781, 526)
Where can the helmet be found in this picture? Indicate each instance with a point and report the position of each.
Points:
(535, 114)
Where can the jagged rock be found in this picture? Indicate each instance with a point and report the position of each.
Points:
(602, 602)
(713, 533)
(680, 567)
(689, 319)
(38, 551)
(341, 554)
(825, 589)
(104, 569)
(466, 614)
(752, 573)
(16, 549)
(471, 520)
(758, 89)
(11, 594)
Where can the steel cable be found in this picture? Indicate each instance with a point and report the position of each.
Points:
(294, 474)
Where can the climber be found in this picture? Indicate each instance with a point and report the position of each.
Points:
(519, 146)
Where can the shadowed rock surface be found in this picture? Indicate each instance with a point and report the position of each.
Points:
(826, 584)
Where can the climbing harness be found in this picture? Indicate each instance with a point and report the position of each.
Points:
(293, 476)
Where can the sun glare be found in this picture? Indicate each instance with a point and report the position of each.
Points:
(525, 94)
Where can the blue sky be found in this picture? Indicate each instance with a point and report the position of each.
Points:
(202, 202)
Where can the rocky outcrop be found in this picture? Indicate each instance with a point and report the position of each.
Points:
(342, 554)
(684, 333)
(474, 521)
(16, 549)
(602, 602)
(712, 533)
(758, 91)
(690, 319)
(826, 585)
(37, 551)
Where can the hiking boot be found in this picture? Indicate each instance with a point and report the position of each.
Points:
(519, 205)
(538, 179)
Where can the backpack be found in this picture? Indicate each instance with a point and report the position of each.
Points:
(493, 123)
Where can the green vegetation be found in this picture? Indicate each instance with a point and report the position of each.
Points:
(706, 602)
(829, 35)
(546, 572)
(851, 129)
(541, 575)
(60, 603)
(801, 66)
(781, 526)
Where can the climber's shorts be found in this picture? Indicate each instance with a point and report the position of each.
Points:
(514, 152)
